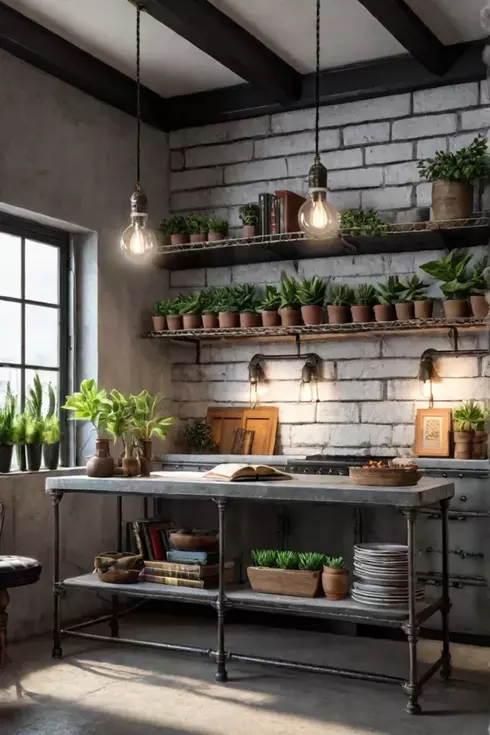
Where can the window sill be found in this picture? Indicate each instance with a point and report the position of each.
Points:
(17, 475)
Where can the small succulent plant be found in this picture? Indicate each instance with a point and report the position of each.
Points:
(366, 295)
(197, 224)
(289, 293)
(287, 559)
(415, 289)
(311, 561)
(341, 295)
(249, 214)
(271, 300)
(246, 297)
(311, 291)
(264, 557)
(390, 292)
(190, 304)
(217, 225)
(335, 562)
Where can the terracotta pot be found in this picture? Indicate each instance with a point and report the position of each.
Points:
(404, 311)
(338, 314)
(293, 582)
(145, 453)
(384, 313)
(51, 456)
(228, 319)
(312, 314)
(249, 230)
(174, 321)
(462, 444)
(479, 306)
(215, 236)
(192, 321)
(159, 323)
(455, 308)
(131, 466)
(20, 450)
(361, 314)
(210, 321)
(423, 309)
(198, 237)
(102, 465)
(335, 583)
(290, 317)
(249, 319)
(270, 318)
(451, 200)
(478, 447)
(179, 238)
(6, 451)
(34, 456)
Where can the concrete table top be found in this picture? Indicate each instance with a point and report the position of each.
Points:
(310, 489)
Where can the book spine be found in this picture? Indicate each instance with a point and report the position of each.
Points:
(156, 543)
(173, 581)
(138, 539)
(147, 537)
(178, 574)
(265, 205)
(170, 566)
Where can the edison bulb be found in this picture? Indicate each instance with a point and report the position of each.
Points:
(138, 239)
(318, 218)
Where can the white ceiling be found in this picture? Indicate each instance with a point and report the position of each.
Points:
(172, 66)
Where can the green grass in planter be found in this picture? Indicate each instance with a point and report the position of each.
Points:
(335, 562)
(264, 557)
(289, 293)
(311, 561)
(312, 291)
(341, 295)
(287, 559)
(365, 295)
(271, 300)
(190, 304)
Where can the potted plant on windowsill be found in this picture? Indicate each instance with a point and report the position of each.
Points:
(176, 226)
(160, 316)
(340, 300)
(174, 317)
(7, 431)
(388, 293)
(335, 578)
(480, 285)
(197, 227)
(246, 296)
(269, 306)
(148, 421)
(199, 437)
(290, 307)
(20, 430)
(35, 425)
(452, 176)
(416, 291)
(285, 573)
(51, 433)
(228, 308)
(456, 286)
(217, 229)
(190, 310)
(209, 305)
(365, 298)
(249, 215)
(311, 295)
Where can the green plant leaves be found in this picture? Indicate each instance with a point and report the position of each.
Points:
(312, 291)
(467, 164)
(390, 291)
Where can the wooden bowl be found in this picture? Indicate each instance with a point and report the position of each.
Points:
(119, 576)
(385, 476)
(184, 541)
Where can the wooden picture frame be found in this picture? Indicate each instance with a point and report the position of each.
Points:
(433, 432)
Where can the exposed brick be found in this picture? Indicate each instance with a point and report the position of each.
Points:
(190, 278)
(231, 195)
(457, 367)
(392, 197)
(290, 122)
(350, 199)
(275, 168)
(348, 350)
(200, 179)
(364, 134)
(387, 412)
(414, 345)
(358, 178)
(464, 388)
(445, 98)
(310, 434)
(191, 410)
(474, 119)
(428, 148)
(421, 127)
(263, 272)
(301, 413)
(362, 369)
(350, 158)
(191, 391)
(220, 133)
(424, 195)
(227, 391)
(403, 435)
(299, 451)
(337, 413)
(287, 145)
(408, 216)
(218, 276)
(401, 173)
(352, 390)
(214, 155)
(463, 140)
(485, 92)
(177, 160)
(389, 153)
(358, 435)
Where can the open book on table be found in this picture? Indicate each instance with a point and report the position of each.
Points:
(243, 472)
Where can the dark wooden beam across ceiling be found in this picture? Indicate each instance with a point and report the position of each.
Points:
(45, 50)
(409, 30)
(207, 28)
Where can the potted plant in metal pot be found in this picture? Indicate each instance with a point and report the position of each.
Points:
(217, 229)
(247, 302)
(190, 309)
(199, 437)
(456, 286)
(148, 421)
(7, 430)
(176, 226)
(290, 307)
(249, 215)
(35, 425)
(174, 317)
(92, 404)
(340, 300)
(335, 578)
(197, 228)
(389, 294)
(285, 572)
(269, 306)
(209, 306)
(20, 431)
(51, 433)
(311, 295)
(465, 419)
(160, 316)
(365, 298)
(416, 292)
(228, 308)
(452, 176)
(480, 285)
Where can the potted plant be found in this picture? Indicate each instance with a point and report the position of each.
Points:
(480, 285)
(199, 437)
(249, 215)
(160, 316)
(452, 176)
(190, 309)
(217, 229)
(416, 291)
(148, 421)
(269, 306)
(120, 426)
(20, 430)
(479, 448)
(365, 298)
(228, 308)
(35, 425)
(7, 433)
(246, 296)
(176, 226)
(197, 227)
(92, 404)
(404, 307)
(388, 293)
(450, 270)
(285, 572)
(340, 300)
(209, 306)
(174, 317)
(51, 433)
(465, 419)
(360, 222)
(290, 307)
(311, 295)
(335, 578)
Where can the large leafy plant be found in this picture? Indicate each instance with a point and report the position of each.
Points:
(359, 222)
(271, 300)
(480, 277)
(7, 418)
(227, 300)
(467, 164)
(312, 291)
(210, 300)
(450, 270)
(390, 292)
(147, 419)
(90, 404)
(246, 297)
(289, 293)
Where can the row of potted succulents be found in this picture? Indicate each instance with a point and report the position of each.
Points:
(182, 229)
(470, 436)
(298, 574)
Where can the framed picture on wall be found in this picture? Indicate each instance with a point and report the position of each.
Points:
(433, 432)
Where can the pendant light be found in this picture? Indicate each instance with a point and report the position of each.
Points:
(319, 219)
(138, 240)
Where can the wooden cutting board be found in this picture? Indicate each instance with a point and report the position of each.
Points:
(263, 421)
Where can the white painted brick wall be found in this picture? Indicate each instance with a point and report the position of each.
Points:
(446, 98)
(370, 133)
(389, 152)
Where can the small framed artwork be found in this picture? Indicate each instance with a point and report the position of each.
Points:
(432, 432)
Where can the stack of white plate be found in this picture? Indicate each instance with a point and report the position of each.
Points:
(382, 573)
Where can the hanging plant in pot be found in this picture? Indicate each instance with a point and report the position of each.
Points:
(35, 425)
(148, 421)
(174, 317)
(452, 176)
(7, 431)
(456, 286)
(20, 431)
(217, 229)
(340, 300)
(416, 292)
(190, 310)
(285, 572)
(209, 306)
(269, 306)
(465, 419)
(480, 285)
(311, 295)
(388, 294)
(197, 228)
(335, 578)
(290, 307)
(228, 308)
(247, 302)
(364, 299)
(249, 215)
(176, 226)
(51, 433)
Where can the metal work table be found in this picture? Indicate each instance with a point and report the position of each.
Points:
(312, 489)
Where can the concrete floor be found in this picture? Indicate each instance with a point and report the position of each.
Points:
(118, 690)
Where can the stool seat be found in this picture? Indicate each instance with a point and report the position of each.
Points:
(17, 571)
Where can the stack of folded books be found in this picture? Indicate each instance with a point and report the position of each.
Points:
(198, 569)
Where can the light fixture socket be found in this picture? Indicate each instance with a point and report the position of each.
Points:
(256, 373)
(139, 202)
(427, 370)
(317, 176)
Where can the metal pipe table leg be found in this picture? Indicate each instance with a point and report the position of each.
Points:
(57, 650)
(446, 668)
(221, 674)
(412, 629)
(114, 621)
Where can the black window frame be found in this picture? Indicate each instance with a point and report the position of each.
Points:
(29, 230)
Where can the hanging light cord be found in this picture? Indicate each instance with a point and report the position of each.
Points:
(317, 81)
(138, 97)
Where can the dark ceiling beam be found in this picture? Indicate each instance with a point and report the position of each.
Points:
(409, 30)
(45, 50)
(207, 28)
(378, 78)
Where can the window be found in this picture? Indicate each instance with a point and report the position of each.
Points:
(34, 276)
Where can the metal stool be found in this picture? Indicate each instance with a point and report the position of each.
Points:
(15, 571)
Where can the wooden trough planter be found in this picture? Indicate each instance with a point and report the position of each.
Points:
(293, 582)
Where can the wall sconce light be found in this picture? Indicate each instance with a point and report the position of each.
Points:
(308, 386)
(427, 374)
(256, 375)
(310, 375)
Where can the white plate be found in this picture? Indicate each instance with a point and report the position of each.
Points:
(376, 549)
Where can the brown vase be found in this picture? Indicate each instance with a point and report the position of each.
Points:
(174, 321)
(159, 323)
(451, 200)
(361, 314)
(335, 583)
(462, 444)
(192, 321)
(102, 465)
(210, 321)
(131, 466)
(338, 314)
(423, 309)
(228, 319)
(404, 311)
(179, 238)
(249, 319)
(312, 314)
(384, 313)
(479, 306)
(198, 237)
(270, 318)
(290, 317)
(455, 308)
(215, 236)
(249, 230)
(145, 454)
